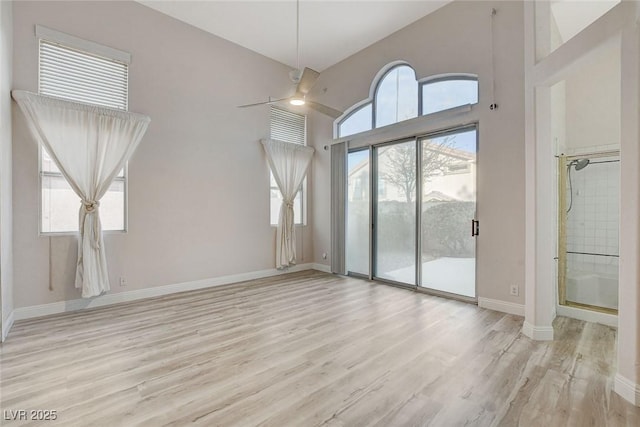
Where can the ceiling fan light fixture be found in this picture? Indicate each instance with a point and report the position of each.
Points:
(304, 79)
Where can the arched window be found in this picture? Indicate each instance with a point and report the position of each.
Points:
(396, 95)
(448, 92)
(357, 121)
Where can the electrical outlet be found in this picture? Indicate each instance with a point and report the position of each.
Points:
(123, 281)
(514, 290)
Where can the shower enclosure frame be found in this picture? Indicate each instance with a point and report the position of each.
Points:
(563, 162)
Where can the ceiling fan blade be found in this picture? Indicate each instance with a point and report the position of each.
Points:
(327, 111)
(307, 80)
(271, 101)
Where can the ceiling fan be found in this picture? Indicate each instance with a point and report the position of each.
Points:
(304, 79)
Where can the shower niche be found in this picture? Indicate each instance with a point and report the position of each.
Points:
(588, 210)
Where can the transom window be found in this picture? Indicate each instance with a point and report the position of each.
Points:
(449, 92)
(396, 98)
(400, 96)
(360, 120)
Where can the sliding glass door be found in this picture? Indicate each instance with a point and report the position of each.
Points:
(418, 226)
(358, 208)
(448, 210)
(395, 212)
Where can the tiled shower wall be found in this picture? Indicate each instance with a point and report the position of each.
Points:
(593, 222)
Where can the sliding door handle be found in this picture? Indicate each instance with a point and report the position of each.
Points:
(475, 228)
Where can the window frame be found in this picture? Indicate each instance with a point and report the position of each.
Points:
(77, 44)
(303, 186)
(303, 203)
(379, 81)
(354, 110)
(43, 174)
(443, 78)
(373, 92)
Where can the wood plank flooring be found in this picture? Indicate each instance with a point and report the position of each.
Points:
(307, 349)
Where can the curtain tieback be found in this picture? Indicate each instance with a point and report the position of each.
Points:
(288, 204)
(90, 205)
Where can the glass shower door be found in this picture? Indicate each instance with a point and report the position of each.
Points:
(448, 247)
(588, 247)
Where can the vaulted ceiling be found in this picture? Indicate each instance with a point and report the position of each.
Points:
(330, 31)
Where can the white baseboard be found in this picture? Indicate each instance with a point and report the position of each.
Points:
(7, 324)
(588, 315)
(115, 298)
(502, 306)
(626, 388)
(322, 267)
(538, 333)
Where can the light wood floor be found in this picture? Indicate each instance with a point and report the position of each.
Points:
(308, 349)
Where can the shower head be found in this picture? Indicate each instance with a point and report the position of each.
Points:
(580, 163)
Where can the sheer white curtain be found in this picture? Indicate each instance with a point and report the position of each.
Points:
(289, 163)
(89, 145)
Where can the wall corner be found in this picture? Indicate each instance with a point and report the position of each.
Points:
(537, 333)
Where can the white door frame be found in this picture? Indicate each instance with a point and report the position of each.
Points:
(619, 25)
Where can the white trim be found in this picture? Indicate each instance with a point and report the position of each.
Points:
(382, 74)
(567, 58)
(115, 298)
(6, 325)
(355, 107)
(537, 333)
(502, 306)
(627, 389)
(83, 45)
(587, 315)
(530, 184)
(322, 267)
(448, 76)
(459, 116)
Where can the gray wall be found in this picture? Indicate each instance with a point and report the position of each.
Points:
(198, 183)
(6, 232)
(453, 39)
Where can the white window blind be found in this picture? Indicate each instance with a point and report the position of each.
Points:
(288, 127)
(81, 76)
